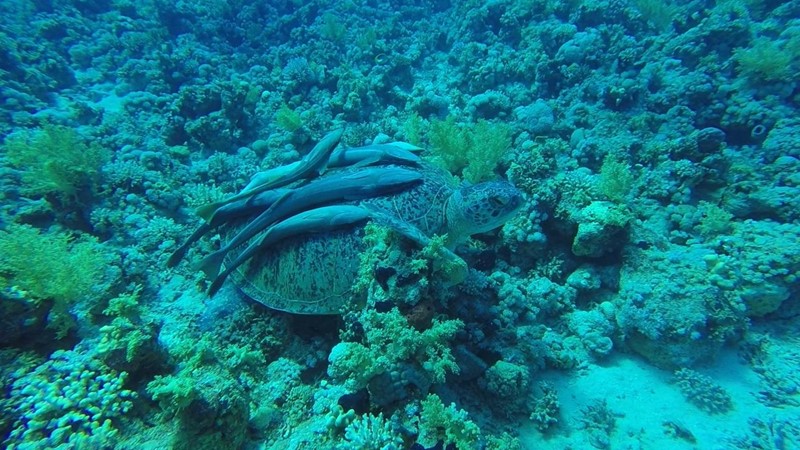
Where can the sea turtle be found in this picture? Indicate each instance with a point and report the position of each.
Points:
(315, 273)
(306, 259)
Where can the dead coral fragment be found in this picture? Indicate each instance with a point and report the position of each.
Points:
(547, 409)
(701, 391)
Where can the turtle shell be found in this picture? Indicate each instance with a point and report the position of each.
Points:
(315, 273)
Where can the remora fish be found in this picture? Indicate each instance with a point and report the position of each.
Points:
(314, 163)
(226, 213)
(365, 183)
(393, 153)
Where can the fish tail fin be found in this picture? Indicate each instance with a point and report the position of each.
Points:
(217, 284)
(207, 211)
(178, 255)
(212, 263)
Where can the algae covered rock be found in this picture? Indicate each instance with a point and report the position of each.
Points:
(669, 311)
(601, 226)
(507, 380)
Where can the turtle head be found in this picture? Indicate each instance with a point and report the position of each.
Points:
(481, 207)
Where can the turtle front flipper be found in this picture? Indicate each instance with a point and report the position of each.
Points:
(452, 267)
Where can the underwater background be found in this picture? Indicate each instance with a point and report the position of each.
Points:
(644, 297)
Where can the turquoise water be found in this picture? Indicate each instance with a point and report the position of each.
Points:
(637, 288)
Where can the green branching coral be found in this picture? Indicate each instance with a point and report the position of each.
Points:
(615, 179)
(412, 129)
(288, 119)
(390, 340)
(206, 382)
(446, 423)
(472, 151)
(660, 14)
(713, 220)
(129, 343)
(55, 160)
(370, 432)
(769, 60)
(51, 267)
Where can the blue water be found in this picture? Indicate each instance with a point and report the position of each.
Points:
(637, 287)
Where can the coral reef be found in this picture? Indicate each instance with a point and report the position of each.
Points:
(655, 144)
(71, 400)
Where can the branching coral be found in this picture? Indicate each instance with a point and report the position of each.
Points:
(546, 409)
(370, 432)
(507, 380)
(389, 341)
(51, 267)
(775, 361)
(447, 424)
(70, 401)
(55, 160)
(208, 400)
(599, 422)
